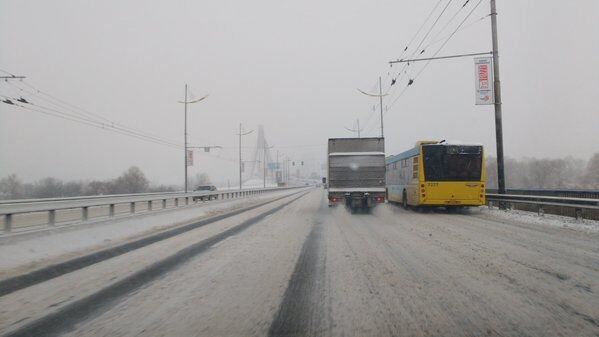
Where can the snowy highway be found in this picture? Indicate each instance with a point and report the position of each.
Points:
(288, 265)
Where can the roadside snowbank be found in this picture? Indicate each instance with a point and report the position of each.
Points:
(585, 225)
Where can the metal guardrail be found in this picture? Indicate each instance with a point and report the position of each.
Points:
(9, 208)
(554, 192)
(542, 202)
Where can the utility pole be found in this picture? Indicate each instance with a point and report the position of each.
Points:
(358, 123)
(358, 130)
(185, 102)
(498, 120)
(241, 133)
(381, 104)
(185, 136)
(380, 96)
(264, 164)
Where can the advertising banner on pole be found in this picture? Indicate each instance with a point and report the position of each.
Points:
(189, 157)
(483, 74)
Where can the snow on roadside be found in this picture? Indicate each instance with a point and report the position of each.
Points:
(586, 225)
(29, 251)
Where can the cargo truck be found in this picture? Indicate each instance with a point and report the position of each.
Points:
(356, 172)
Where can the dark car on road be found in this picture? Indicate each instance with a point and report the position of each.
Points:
(206, 188)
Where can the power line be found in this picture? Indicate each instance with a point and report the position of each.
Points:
(449, 38)
(80, 111)
(79, 114)
(91, 122)
(418, 31)
(447, 24)
(436, 53)
(103, 127)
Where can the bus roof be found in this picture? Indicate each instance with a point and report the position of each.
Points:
(404, 155)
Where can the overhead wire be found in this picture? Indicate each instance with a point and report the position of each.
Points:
(80, 121)
(79, 113)
(397, 77)
(78, 110)
(449, 38)
(87, 121)
(438, 50)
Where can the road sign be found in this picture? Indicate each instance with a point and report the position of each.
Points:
(483, 74)
(189, 157)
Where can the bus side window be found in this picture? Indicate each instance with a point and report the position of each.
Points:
(415, 168)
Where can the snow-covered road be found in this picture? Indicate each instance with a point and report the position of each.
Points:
(296, 267)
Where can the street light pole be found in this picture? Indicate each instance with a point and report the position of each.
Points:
(185, 102)
(185, 136)
(380, 96)
(498, 118)
(241, 133)
(381, 104)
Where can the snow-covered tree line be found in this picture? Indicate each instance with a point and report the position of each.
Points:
(131, 181)
(560, 173)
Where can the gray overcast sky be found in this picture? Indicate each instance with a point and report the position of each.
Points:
(292, 66)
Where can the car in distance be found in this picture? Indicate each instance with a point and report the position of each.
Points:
(205, 188)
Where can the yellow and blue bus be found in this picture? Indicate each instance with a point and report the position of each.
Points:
(434, 173)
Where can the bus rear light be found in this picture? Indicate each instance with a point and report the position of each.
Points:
(481, 196)
(422, 190)
(423, 195)
(421, 185)
(482, 185)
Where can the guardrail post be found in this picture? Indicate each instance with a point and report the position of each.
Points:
(186, 200)
(541, 211)
(111, 210)
(578, 213)
(85, 213)
(176, 202)
(132, 208)
(163, 203)
(7, 223)
(52, 217)
(149, 205)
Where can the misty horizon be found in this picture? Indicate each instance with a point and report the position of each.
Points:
(294, 68)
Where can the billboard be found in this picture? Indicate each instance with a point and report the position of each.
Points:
(483, 74)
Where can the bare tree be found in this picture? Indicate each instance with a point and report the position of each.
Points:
(591, 177)
(11, 187)
(48, 188)
(132, 181)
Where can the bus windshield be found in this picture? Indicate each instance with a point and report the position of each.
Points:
(452, 162)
